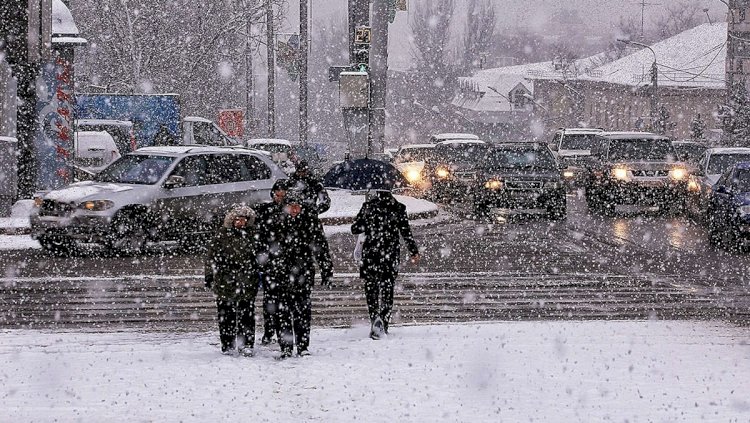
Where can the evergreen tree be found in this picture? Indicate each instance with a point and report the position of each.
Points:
(735, 116)
(698, 128)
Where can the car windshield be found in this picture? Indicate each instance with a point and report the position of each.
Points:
(136, 169)
(719, 163)
(577, 141)
(690, 152)
(413, 155)
(519, 158)
(461, 153)
(641, 149)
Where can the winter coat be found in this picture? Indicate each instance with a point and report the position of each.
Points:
(290, 245)
(230, 265)
(383, 219)
(315, 196)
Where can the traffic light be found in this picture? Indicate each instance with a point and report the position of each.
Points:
(362, 58)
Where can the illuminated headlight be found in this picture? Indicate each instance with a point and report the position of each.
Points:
(442, 172)
(569, 174)
(413, 175)
(620, 173)
(494, 184)
(744, 210)
(678, 174)
(693, 186)
(96, 205)
(552, 185)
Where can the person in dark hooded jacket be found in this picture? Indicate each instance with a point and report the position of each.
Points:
(383, 220)
(292, 245)
(231, 272)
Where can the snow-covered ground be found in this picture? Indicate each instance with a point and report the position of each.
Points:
(624, 371)
(344, 207)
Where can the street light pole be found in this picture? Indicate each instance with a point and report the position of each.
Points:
(303, 77)
(271, 70)
(654, 81)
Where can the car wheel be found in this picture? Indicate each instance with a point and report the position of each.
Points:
(58, 245)
(129, 234)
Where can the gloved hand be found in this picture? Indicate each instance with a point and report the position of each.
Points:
(208, 280)
(326, 278)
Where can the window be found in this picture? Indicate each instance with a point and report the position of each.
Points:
(194, 169)
(207, 134)
(136, 169)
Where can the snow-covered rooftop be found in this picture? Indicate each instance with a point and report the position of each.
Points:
(64, 29)
(692, 58)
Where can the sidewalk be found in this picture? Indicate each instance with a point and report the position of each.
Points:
(344, 208)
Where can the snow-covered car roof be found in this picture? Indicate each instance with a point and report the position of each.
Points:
(197, 119)
(454, 136)
(617, 135)
(688, 142)
(729, 150)
(449, 142)
(184, 149)
(274, 141)
(581, 130)
(407, 146)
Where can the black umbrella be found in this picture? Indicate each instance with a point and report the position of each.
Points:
(364, 174)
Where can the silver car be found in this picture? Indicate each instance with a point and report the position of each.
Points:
(153, 194)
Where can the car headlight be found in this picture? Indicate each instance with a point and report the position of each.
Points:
(494, 184)
(96, 205)
(413, 175)
(744, 210)
(693, 186)
(620, 173)
(442, 172)
(678, 174)
(569, 174)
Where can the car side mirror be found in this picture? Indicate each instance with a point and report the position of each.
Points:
(561, 166)
(553, 146)
(174, 181)
(722, 189)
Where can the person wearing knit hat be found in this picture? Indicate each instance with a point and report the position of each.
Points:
(231, 272)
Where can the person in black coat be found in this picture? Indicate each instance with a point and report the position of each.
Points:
(382, 219)
(314, 194)
(266, 215)
(293, 243)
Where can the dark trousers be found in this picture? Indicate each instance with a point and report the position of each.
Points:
(302, 314)
(279, 301)
(379, 295)
(236, 320)
(269, 310)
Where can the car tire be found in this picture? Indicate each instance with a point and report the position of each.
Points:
(58, 245)
(129, 234)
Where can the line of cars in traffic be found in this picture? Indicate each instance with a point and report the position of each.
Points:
(609, 168)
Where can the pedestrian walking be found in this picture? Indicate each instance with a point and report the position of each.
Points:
(382, 220)
(266, 213)
(292, 245)
(314, 194)
(231, 272)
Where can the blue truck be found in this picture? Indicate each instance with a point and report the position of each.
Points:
(156, 118)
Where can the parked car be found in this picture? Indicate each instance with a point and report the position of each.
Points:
(94, 150)
(573, 149)
(410, 160)
(452, 169)
(281, 151)
(451, 136)
(713, 163)
(521, 175)
(728, 214)
(120, 130)
(635, 168)
(153, 194)
(689, 151)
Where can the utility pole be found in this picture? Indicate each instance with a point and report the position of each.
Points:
(249, 83)
(271, 70)
(359, 15)
(643, 5)
(378, 76)
(303, 55)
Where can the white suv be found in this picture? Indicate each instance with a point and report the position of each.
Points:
(153, 194)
